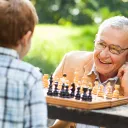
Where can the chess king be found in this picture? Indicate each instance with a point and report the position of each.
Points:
(107, 63)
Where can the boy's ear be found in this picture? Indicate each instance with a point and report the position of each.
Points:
(26, 38)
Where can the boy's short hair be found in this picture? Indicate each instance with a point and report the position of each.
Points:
(17, 17)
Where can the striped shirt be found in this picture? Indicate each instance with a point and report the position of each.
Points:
(22, 102)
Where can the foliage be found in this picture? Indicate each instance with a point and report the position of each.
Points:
(78, 11)
(51, 42)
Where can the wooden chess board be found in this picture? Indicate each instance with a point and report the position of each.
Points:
(96, 103)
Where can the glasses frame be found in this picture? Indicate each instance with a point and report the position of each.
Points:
(106, 45)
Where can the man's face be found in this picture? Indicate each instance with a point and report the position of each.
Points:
(107, 63)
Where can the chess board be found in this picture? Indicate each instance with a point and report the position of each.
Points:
(96, 103)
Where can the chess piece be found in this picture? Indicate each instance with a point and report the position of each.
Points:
(90, 94)
(84, 96)
(72, 94)
(66, 91)
(100, 92)
(77, 96)
(95, 88)
(116, 91)
(59, 83)
(50, 93)
(84, 81)
(55, 92)
(90, 85)
(45, 80)
(62, 92)
(109, 91)
(78, 84)
(63, 79)
(76, 77)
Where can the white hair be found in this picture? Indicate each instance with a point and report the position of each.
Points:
(118, 22)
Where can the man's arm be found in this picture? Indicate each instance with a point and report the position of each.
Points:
(60, 68)
(63, 124)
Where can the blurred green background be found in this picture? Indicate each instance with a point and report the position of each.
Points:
(66, 25)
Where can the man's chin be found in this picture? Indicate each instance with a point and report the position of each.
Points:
(104, 71)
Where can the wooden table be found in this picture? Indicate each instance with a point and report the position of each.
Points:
(115, 117)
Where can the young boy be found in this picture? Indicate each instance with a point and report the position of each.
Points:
(22, 102)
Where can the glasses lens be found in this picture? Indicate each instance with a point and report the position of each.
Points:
(115, 49)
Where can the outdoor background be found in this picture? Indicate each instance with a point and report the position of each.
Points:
(66, 25)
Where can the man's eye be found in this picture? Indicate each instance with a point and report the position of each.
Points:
(101, 44)
(115, 48)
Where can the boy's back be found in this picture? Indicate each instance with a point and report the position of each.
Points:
(20, 88)
(22, 102)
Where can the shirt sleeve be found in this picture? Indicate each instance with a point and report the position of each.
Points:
(35, 107)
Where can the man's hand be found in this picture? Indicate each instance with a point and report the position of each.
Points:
(123, 75)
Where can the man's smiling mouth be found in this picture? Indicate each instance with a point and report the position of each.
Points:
(104, 62)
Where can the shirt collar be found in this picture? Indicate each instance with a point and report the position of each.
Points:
(9, 52)
(112, 80)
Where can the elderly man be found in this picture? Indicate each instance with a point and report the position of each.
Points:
(107, 63)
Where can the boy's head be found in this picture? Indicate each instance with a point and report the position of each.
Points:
(17, 18)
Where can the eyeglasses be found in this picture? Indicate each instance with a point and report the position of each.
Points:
(114, 49)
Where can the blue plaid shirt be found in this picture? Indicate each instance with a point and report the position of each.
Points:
(22, 102)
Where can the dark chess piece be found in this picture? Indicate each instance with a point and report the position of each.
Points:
(55, 92)
(84, 96)
(72, 94)
(77, 96)
(50, 93)
(66, 91)
(62, 92)
(90, 94)
(64, 75)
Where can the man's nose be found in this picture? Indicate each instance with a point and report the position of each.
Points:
(104, 53)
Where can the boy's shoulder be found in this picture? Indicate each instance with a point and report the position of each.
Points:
(25, 67)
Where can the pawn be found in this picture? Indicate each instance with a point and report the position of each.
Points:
(116, 91)
(76, 77)
(84, 81)
(72, 94)
(100, 92)
(66, 91)
(95, 88)
(84, 96)
(77, 96)
(55, 92)
(90, 94)
(49, 93)
(109, 91)
(59, 84)
(62, 92)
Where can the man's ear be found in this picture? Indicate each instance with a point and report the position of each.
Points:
(26, 38)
